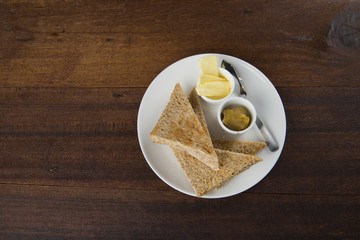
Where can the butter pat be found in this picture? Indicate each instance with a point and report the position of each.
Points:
(213, 87)
(210, 83)
(208, 66)
(204, 79)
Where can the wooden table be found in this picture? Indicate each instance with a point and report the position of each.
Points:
(73, 74)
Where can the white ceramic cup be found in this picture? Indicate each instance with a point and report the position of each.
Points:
(230, 78)
(237, 102)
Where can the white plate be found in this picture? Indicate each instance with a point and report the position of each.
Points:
(260, 92)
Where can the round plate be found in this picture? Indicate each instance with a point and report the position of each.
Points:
(260, 92)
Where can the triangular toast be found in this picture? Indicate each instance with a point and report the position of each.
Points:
(179, 127)
(232, 164)
(202, 178)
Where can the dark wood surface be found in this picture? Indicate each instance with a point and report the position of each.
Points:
(73, 74)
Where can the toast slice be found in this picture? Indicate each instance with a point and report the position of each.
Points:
(197, 173)
(233, 164)
(179, 127)
(203, 179)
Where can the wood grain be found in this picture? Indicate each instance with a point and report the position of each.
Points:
(74, 43)
(73, 74)
(145, 214)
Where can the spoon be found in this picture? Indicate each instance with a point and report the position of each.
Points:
(269, 138)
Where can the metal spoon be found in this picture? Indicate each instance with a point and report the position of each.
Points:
(232, 70)
(269, 138)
